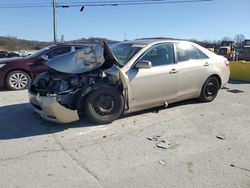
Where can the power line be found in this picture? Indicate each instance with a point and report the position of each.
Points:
(99, 3)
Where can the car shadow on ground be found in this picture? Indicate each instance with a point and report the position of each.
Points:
(3, 89)
(6, 89)
(238, 82)
(19, 121)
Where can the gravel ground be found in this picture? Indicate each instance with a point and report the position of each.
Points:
(188, 144)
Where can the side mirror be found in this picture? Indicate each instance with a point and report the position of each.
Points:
(45, 57)
(143, 64)
(42, 59)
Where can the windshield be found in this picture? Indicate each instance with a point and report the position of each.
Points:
(37, 53)
(125, 51)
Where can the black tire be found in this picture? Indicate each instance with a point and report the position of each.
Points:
(104, 105)
(17, 80)
(209, 90)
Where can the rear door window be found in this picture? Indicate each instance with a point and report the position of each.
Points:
(187, 52)
(200, 54)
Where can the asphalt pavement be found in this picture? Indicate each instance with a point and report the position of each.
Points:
(188, 144)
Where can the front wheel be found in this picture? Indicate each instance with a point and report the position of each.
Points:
(104, 105)
(17, 80)
(209, 90)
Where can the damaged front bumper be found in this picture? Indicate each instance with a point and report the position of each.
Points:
(57, 94)
(49, 109)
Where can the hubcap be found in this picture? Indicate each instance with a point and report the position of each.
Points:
(18, 81)
(104, 104)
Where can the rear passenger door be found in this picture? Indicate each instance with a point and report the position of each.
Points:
(193, 66)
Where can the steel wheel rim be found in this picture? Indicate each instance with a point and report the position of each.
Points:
(18, 80)
(104, 104)
(210, 89)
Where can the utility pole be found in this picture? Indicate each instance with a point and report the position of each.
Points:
(55, 20)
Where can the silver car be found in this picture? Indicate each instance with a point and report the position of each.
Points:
(103, 83)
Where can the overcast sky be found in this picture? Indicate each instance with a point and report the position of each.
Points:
(202, 21)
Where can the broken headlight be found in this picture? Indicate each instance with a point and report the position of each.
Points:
(67, 85)
(74, 81)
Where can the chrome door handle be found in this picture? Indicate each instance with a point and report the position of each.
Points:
(206, 64)
(173, 71)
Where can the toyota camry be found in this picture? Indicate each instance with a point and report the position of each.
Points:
(105, 82)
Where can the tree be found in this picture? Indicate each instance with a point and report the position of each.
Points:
(239, 38)
(226, 39)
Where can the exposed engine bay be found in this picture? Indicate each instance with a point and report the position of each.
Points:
(72, 76)
(70, 88)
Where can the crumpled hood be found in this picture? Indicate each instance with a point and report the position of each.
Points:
(85, 60)
(10, 60)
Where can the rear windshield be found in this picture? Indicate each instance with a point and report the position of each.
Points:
(39, 52)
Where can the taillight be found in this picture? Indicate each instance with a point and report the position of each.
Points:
(226, 63)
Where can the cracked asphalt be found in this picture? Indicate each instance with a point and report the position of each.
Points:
(203, 145)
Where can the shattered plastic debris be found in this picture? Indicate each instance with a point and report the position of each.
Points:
(153, 138)
(162, 143)
(221, 136)
(162, 162)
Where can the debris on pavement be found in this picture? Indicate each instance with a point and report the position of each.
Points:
(164, 144)
(162, 162)
(221, 136)
(160, 142)
(153, 138)
(232, 165)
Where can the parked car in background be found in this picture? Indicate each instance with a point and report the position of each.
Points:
(15, 73)
(13, 54)
(3, 54)
(103, 82)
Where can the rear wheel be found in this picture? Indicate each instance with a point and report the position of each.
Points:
(104, 105)
(17, 80)
(209, 90)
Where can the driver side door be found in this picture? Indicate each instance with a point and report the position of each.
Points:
(150, 87)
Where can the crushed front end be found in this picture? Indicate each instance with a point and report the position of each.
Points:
(53, 95)
(58, 95)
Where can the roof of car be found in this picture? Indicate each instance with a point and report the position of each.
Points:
(65, 44)
(70, 44)
(147, 41)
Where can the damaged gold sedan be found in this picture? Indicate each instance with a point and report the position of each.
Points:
(103, 83)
